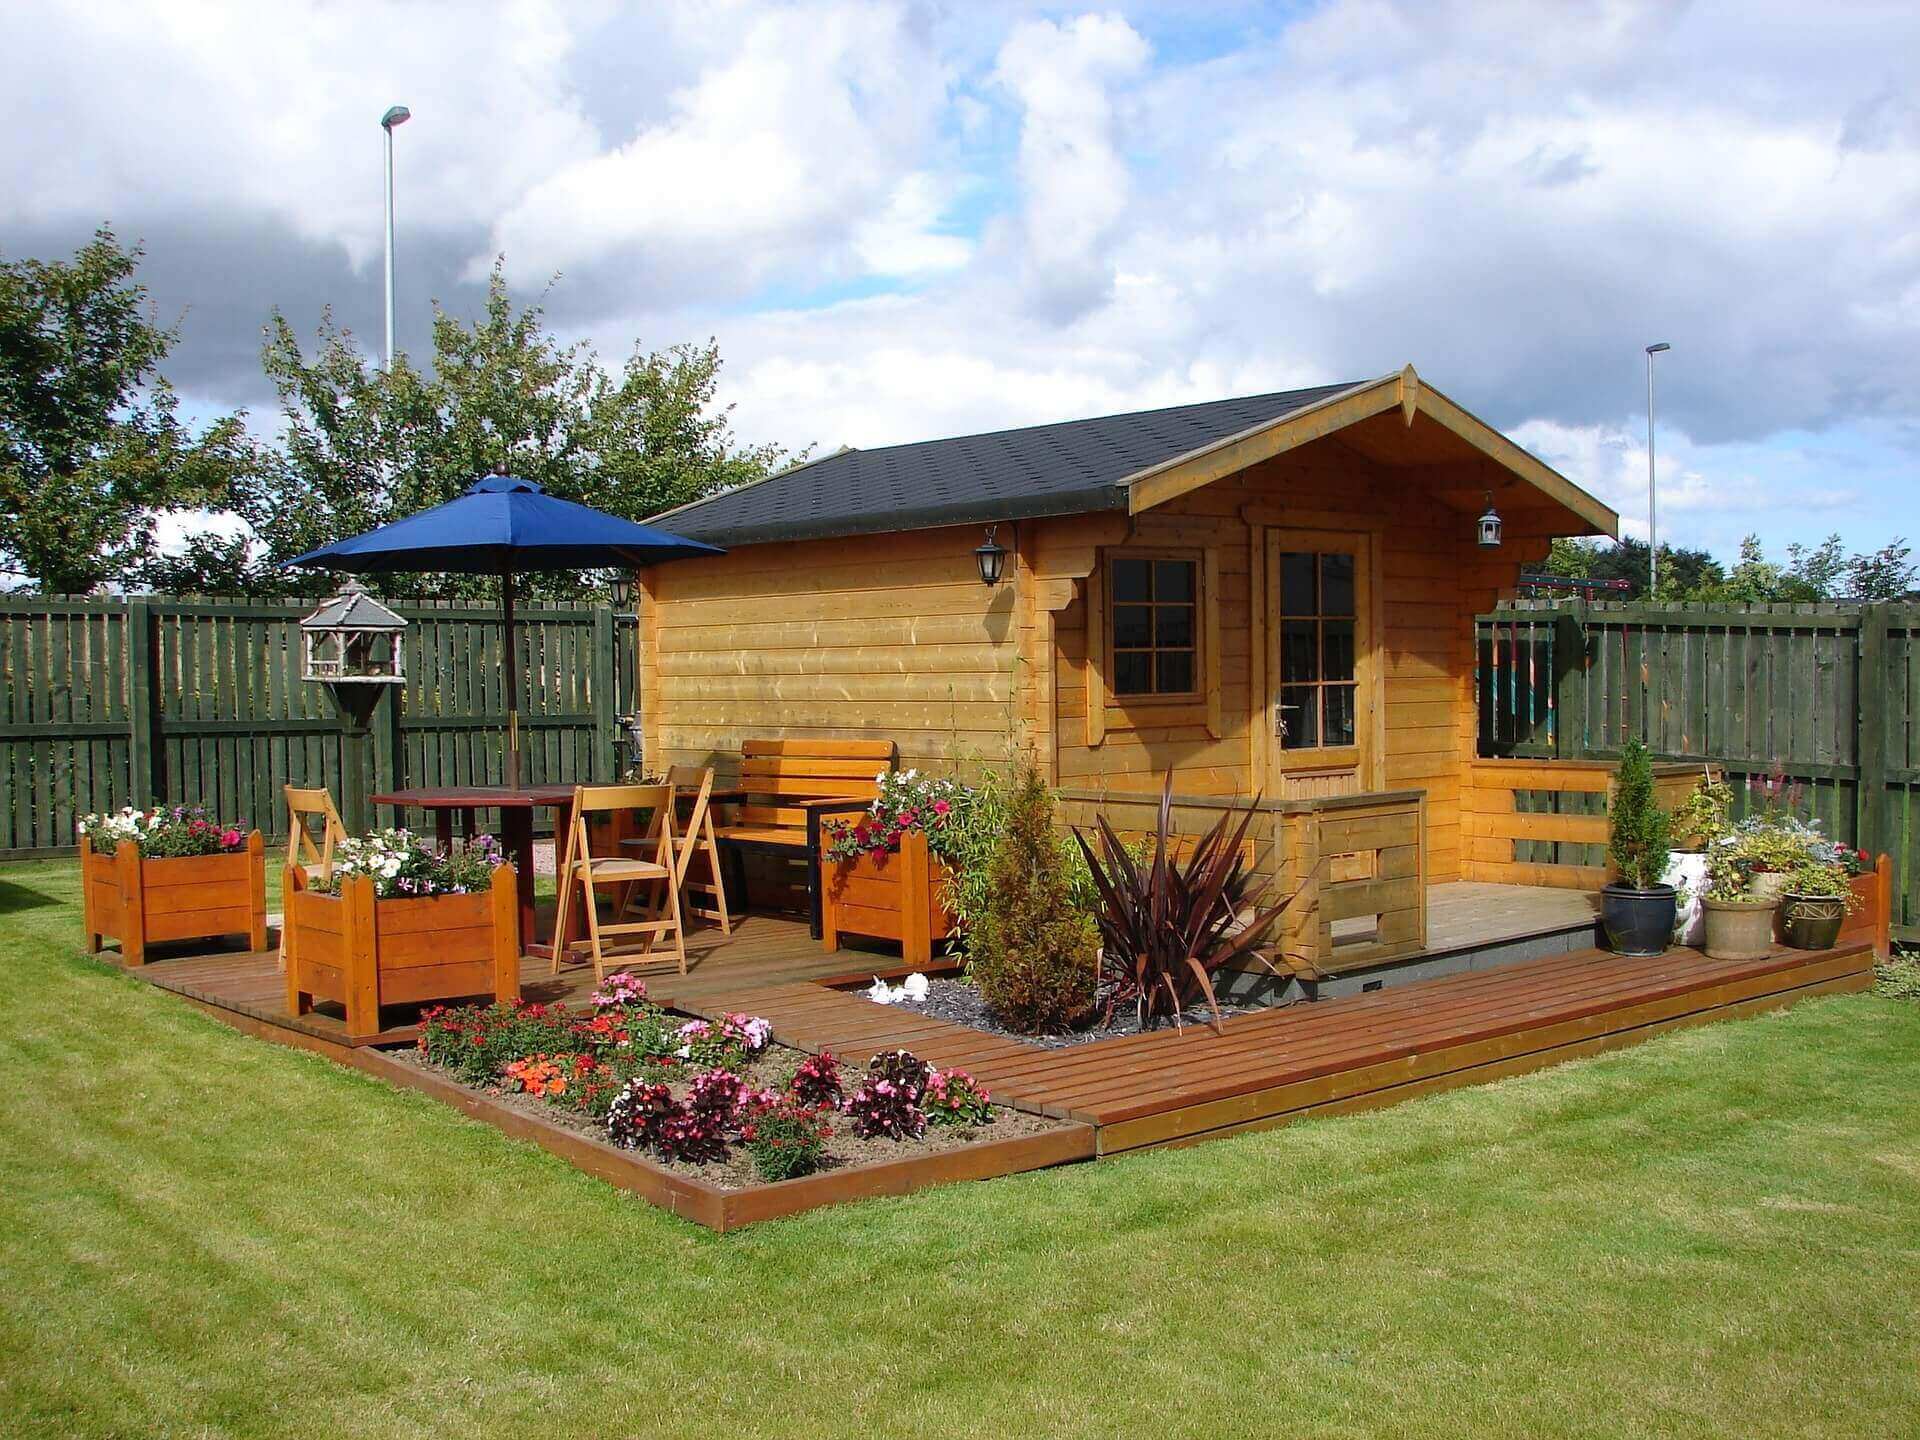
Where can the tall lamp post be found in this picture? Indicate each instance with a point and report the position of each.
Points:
(396, 115)
(1653, 533)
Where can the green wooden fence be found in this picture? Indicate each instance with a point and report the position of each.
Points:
(1829, 694)
(145, 700)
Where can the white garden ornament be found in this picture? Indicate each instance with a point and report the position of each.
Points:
(915, 990)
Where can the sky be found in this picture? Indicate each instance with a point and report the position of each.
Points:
(904, 220)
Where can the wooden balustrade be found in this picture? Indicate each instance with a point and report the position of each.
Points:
(1494, 817)
(1356, 865)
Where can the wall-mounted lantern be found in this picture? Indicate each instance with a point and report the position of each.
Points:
(992, 557)
(622, 590)
(1490, 526)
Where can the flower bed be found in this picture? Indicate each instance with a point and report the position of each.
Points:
(170, 874)
(398, 923)
(716, 1101)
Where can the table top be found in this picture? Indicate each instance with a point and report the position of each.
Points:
(478, 797)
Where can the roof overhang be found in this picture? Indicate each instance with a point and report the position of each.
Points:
(1170, 479)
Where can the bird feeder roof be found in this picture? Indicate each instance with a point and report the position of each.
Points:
(353, 609)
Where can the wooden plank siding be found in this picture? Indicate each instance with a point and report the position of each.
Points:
(869, 638)
(893, 636)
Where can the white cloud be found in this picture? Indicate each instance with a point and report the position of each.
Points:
(1074, 180)
(806, 134)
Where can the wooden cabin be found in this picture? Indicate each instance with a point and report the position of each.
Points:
(1269, 596)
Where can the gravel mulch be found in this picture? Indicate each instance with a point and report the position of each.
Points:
(961, 1004)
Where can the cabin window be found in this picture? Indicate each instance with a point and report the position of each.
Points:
(1153, 612)
(1318, 622)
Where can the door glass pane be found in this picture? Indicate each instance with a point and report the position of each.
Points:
(1336, 584)
(1173, 626)
(1132, 626)
(1176, 672)
(1298, 657)
(1296, 584)
(1132, 579)
(1337, 651)
(1173, 579)
(1339, 726)
(1299, 717)
(1133, 673)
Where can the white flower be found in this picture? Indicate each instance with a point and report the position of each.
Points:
(916, 987)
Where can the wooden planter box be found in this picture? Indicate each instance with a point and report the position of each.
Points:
(1873, 921)
(890, 895)
(138, 902)
(365, 953)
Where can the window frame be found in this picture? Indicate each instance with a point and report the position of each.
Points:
(1115, 698)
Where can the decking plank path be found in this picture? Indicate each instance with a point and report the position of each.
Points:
(1168, 1086)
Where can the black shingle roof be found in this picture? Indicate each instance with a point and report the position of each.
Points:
(1066, 468)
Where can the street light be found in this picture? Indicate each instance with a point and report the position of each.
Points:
(396, 115)
(1653, 534)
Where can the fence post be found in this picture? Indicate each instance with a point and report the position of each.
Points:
(1570, 681)
(142, 791)
(1871, 739)
(604, 681)
(386, 744)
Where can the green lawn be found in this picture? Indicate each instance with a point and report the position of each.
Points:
(1717, 1234)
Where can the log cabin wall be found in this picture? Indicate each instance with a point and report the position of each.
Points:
(1432, 579)
(893, 637)
(882, 637)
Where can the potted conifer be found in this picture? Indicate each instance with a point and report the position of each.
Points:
(1637, 909)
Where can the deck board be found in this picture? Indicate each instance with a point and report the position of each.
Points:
(1167, 1087)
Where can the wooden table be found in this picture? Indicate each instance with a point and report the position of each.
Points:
(516, 805)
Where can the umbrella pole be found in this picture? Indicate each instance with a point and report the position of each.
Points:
(513, 682)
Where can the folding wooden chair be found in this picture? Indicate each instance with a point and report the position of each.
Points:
(699, 837)
(303, 853)
(657, 870)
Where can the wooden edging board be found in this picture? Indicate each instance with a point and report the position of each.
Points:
(686, 1196)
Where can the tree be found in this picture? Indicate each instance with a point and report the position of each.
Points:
(91, 443)
(1682, 570)
(365, 446)
(1032, 950)
(1886, 574)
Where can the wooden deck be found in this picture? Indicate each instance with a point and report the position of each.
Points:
(1168, 1087)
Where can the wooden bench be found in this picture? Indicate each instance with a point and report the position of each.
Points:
(787, 786)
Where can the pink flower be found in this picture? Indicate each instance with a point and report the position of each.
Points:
(230, 838)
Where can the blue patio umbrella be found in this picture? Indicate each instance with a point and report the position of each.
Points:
(503, 525)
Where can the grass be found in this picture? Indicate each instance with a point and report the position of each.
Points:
(1715, 1234)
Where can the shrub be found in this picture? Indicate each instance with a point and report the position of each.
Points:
(786, 1138)
(1898, 976)
(404, 867)
(973, 843)
(1167, 926)
(728, 1042)
(1640, 831)
(1031, 951)
(638, 1114)
(955, 1098)
(170, 831)
(476, 1042)
(887, 1103)
(818, 1081)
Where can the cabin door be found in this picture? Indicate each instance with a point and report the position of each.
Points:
(1323, 712)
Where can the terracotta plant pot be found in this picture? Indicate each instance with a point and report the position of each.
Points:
(1812, 922)
(893, 895)
(1638, 922)
(138, 901)
(1739, 929)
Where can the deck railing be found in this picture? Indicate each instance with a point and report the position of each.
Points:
(1544, 822)
(1357, 865)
